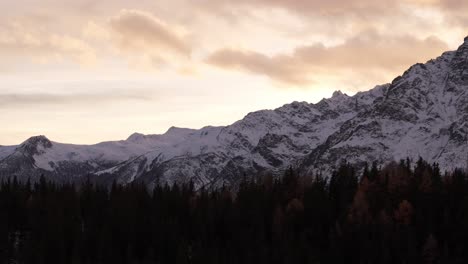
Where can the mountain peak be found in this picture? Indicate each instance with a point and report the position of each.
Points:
(178, 130)
(41, 139)
(135, 137)
(337, 93)
(422, 113)
(463, 46)
(35, 145)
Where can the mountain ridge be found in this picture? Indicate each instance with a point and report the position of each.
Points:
(422, 113)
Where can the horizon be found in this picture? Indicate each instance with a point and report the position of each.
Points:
(85, 72)
(169, 128)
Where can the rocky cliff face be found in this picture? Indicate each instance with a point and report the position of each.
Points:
(423, 113)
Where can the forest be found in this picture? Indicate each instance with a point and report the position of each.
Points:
(400, 213)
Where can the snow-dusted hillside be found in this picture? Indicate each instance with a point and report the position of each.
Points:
(423, 113)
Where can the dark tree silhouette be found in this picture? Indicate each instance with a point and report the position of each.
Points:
(394, 214)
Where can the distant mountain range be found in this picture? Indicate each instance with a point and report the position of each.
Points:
(423, 113)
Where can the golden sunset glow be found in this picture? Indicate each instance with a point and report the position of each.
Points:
(83, 71)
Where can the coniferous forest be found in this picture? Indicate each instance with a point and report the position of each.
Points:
(395, 214)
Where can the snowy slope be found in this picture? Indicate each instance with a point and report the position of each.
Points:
(423, 113)
(266, 140)
(6, 151)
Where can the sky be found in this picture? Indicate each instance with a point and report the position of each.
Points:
(86, 71)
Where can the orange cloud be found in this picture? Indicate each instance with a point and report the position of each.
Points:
(17, 41)
(282, 68)
(138, 29)
(455, 11)
(366, 52)
(372, 50)
(346, 8)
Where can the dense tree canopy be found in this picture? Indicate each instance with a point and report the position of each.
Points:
(395, 214)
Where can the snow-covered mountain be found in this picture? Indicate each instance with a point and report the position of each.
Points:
(423, 113)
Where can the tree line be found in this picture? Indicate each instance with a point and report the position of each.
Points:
(395, 214)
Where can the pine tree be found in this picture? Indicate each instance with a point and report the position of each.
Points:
(430, 250)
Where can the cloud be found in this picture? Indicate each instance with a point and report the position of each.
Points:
(372, 50)
(17, 41)
(17, 99)
(452, 4)
(335, 12)
(141, 38)
(94, 31)
(333, 9)
(141, 30)
(455, 12)
(330, 7)
(366, 52)
(280, 68)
